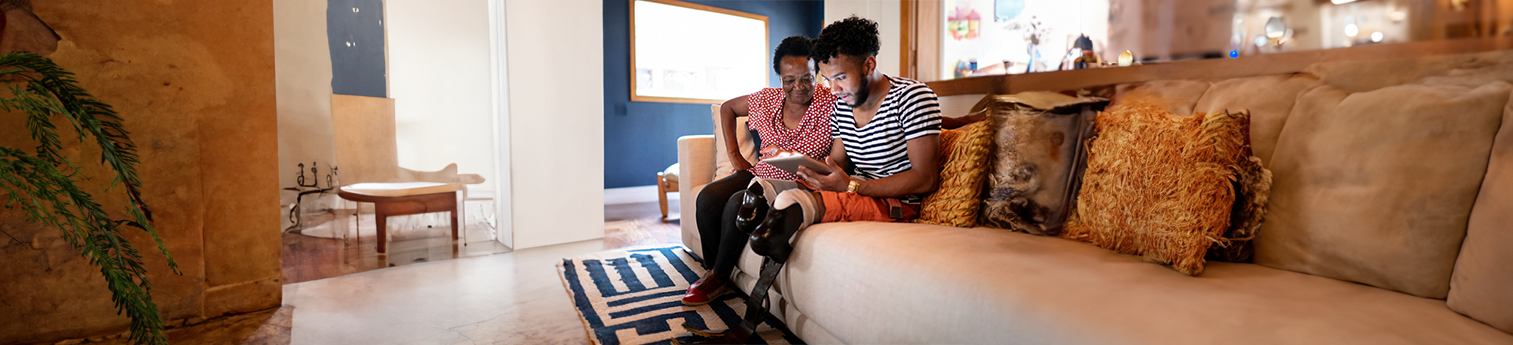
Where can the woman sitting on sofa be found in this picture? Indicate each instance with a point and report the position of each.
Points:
(793, 118)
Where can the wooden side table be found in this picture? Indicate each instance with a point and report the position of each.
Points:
(399, 201)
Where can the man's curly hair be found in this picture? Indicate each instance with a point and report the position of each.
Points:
(852, 36)
(796, 45)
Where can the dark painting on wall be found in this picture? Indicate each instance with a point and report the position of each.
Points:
(355, 30)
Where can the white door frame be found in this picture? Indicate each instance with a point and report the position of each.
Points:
(499, 67)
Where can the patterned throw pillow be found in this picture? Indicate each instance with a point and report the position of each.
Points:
(1036, 160)
(964, 154)
(1158, 184)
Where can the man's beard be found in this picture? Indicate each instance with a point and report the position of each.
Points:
(862, 92)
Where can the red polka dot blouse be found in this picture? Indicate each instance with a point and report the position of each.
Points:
(812, 137)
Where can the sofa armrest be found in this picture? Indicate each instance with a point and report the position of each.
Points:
(695, 161)
(696, 167)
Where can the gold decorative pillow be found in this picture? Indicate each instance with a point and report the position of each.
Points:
(1158, 184)
(964, 154)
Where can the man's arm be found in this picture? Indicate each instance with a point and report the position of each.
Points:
(922, 177)
(838, 154)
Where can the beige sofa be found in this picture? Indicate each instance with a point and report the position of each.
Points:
(1335, 262)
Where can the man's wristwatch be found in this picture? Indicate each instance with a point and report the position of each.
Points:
(853, 186)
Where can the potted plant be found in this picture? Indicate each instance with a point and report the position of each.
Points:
(45, 184)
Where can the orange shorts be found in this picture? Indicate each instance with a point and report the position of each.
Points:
(852, 207)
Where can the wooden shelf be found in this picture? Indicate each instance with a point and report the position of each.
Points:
(1209, 69)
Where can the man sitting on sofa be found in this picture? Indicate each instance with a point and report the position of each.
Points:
(886, 130)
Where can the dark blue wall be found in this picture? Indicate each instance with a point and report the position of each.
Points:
(640, 138)
(358, 68)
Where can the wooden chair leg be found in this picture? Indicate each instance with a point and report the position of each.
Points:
(455, 229)
(662, 194)
(383, 229)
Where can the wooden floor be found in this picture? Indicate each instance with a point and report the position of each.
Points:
(629, 225)
(307, 258)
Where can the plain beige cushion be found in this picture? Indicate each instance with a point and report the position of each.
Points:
(1367, 75)
(1482, 286)
(886, 283)
(1269, 100)
(401, 188)
(722, 164)
(1376, 187)
(1178, 96)
(671, 173)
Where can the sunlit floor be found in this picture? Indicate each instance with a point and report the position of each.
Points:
(513, 297)
(328, 254)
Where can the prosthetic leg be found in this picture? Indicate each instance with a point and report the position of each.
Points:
(792, 210)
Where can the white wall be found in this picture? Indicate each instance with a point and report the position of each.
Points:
(556, 120)
(302, 73)
(889, 17)
(439, 78)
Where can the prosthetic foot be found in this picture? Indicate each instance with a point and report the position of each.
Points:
(753, 209)
(793, 210)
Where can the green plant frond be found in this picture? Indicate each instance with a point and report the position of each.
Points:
(51, 197)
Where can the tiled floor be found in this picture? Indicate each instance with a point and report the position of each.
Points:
(505, 298)
(475, 297)
(510, 298)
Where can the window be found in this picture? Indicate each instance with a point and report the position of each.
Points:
(689, 53)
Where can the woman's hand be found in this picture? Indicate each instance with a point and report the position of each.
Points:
(836, 181)
(738, 162)
(774, 151)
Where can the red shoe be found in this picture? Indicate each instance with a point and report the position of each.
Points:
(696, 297)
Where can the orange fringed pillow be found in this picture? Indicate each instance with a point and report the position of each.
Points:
(964, 155)
(1158, 185)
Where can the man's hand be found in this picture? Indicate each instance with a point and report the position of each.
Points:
(836, 181)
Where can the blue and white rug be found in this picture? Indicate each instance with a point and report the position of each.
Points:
(633, 296)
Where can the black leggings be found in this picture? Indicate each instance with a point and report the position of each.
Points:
(715, 212)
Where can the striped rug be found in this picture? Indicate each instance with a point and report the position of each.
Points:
(632, 297)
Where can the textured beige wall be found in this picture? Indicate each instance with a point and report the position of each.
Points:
(195, 84)
(303, 65)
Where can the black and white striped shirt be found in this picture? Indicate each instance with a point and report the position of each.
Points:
(880, 149)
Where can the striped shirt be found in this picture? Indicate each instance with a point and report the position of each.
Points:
(880, 149)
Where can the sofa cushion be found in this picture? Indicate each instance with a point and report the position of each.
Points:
(1269, 100)
(1376, 187)
(964, 155)
(722, 164)
(1367, 75)
(1158, 184)
(1482, 285)
(1177, 96)
(871, 283)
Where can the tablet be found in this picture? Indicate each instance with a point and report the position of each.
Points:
(791, 164)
